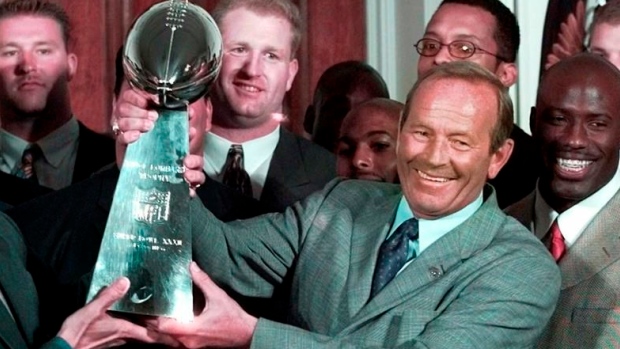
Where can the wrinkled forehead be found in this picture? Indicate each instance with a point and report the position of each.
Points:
(462, 22)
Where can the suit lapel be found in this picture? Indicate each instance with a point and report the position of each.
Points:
(596, 248)
(442, 256)
(370, 230)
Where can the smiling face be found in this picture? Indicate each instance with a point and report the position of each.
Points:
(452, 22)
(257, 68)
(444, 146)
(35, 67)
(577, 129)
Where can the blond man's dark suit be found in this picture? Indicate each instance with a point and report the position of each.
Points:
(588, 311)
(479, 286)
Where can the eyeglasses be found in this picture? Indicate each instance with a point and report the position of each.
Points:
(460, 49)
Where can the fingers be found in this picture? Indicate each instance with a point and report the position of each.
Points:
(132, 115)
(110, 294)
(202, 280)
(194, 175)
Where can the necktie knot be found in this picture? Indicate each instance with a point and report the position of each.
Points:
(557, 246)
(393, 254)
(235, 175)
(29, 156)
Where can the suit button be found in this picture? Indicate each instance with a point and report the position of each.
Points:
(435, 272)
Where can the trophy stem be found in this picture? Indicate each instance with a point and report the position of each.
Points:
(147, 236)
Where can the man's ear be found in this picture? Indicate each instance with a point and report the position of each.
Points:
(72, 64)
(507, 73)
(500, 158)
(532, 119)
(209, 108)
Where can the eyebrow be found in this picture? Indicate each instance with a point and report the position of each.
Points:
(458, 37)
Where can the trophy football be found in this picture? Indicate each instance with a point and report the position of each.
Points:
(173, 51)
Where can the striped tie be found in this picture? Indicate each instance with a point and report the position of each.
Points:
(27, 169)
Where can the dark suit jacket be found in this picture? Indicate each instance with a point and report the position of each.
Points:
(94, 152)
(479, 286)
(587, 311)
(298, 168)
(17, 332)
(518, 177)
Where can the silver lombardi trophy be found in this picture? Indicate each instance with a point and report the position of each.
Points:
(173, 51)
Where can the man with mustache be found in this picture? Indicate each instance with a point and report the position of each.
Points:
(41, 141)
(432, 262)
(574, 209)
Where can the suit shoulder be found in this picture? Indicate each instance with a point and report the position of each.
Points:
(357, 190)
(522, 209)
(93, 138)
(311, 152)
(67, 202)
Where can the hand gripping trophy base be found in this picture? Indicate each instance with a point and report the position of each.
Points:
(147, 237)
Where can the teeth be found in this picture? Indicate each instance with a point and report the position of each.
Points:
(433, 179)
(249, 88)
(573, 165)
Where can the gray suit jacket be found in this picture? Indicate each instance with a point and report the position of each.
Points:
(479, 286)
(17, 328)
(589, 304)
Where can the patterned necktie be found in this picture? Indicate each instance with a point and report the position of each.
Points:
(557, 246)
(26, 169)
(393, 254)
(234, 174)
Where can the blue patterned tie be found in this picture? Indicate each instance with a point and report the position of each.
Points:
(393, 254)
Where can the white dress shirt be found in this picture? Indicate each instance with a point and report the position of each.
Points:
(431, 230)
(574, 221)
(59, 148)
(257, 155)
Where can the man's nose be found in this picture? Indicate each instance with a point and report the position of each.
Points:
(253, 65)
(27, 63)
(443, 56)
(362, 159)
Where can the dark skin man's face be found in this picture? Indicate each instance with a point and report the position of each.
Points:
(577, 129)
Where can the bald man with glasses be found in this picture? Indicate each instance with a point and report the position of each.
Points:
(484, 32)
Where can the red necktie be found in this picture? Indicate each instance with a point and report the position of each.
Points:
(557, 247)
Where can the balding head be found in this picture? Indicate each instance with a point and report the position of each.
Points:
(367, 143)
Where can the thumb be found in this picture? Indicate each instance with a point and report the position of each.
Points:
(201, 279)
(110, 294)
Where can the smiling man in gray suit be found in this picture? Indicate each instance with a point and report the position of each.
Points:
(434, 263)
(574, 210)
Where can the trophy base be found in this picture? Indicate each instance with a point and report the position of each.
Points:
(147, 237)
